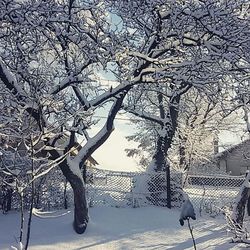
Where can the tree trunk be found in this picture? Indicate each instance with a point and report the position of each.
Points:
(158, 183)
(168, 186)
(182, 153)
(159, 155)
(240, 207)
(242, 200)
(81, 217)
(248, 206)
(65, 198)
(75, 177)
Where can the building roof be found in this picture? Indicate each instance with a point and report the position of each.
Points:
(231, 149)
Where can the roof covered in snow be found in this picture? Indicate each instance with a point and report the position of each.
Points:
(222, 155)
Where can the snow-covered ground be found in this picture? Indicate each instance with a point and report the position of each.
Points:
(119, 228)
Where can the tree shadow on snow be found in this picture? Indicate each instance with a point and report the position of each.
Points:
(214, 239)
(129, 233)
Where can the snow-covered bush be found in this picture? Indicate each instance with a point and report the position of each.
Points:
(187, 210)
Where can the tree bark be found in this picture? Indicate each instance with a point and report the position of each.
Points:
(168, 186)
(159, 155)
(248, 206)
(239, 208)
(164, 141)
(65, 199)
(182, 152)
(81, 217)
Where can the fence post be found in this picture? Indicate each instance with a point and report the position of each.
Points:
(168, 180)
(132, 192)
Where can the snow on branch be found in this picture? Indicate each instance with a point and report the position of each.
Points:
(96, 141)
(115, 92)
(69, 80)
(9, 81)
(145, 115)
(82, 99)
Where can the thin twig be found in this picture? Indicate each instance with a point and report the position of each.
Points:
(191, 232)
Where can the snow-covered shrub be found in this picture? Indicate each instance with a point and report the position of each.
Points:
(187, 210)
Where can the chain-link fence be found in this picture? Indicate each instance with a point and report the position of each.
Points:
(210, 193)
(134, 189)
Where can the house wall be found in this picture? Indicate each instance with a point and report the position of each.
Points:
(223, 165)
(238, 160)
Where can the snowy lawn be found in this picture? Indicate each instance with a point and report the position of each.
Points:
(119, 228)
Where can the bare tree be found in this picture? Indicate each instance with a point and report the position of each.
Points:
(202, 119)
(49, 51)
(184, 45)
(49, 54)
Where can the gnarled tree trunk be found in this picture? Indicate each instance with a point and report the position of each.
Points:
(74, 176)
(81, 217)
